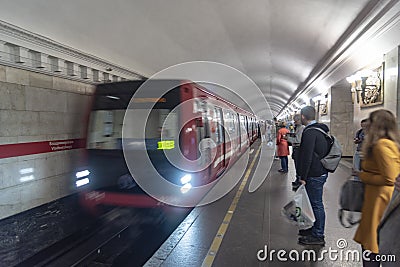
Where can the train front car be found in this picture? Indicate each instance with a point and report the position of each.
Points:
(203, 132)
(108, 179)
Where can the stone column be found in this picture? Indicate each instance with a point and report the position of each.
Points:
(390, 84)
(342, 116)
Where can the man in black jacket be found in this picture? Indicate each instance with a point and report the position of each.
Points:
(295, 139)
(314, 146)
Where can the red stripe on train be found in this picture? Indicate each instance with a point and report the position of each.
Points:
(23, 149)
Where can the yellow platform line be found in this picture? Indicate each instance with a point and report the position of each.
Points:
(212, 252)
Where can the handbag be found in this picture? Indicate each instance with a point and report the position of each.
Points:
(351, 200)
(299, 211)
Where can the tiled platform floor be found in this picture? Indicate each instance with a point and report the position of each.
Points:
(257, 222)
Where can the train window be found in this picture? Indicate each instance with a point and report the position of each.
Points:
(246, 121)
(212, 123)
(162, 122)
(108, 123)
(237, 126)
(202, 131)
(243, 125)
(198, 105)
(104, 130)
(218, 119)
(106, 133)
(230, 122)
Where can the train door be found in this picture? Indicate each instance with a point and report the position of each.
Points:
(216, 135)
(200, 129)
(247, 127)
(250, 125)
(204, 147)
(253, 130)
(236, 136)
(244, 136)
(221, 138)
(229, 128)
(239, 124)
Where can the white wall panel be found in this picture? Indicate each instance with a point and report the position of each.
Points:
(36, 107)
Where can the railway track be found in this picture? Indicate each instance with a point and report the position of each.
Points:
(101, 243)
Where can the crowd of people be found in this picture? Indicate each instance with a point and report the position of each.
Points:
(376, 163)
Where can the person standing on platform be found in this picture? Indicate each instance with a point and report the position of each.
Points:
(358, 140)
(389, 228)
(283, 147)
(269, 133)
(262, 130)
(295, 139)
(314, 146)
(380, 167)
(277, 127)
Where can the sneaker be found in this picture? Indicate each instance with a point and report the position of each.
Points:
(305, 232)
(311, 240)
(281, 170)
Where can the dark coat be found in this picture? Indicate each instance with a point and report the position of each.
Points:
(314, 146)
(389, 230)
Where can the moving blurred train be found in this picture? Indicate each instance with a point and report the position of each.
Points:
(194, 114)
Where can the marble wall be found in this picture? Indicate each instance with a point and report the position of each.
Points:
(36, 107)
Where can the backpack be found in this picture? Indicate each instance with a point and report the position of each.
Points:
(331, 160)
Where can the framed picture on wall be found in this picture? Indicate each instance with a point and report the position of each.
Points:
(371, 93)
(323, 106)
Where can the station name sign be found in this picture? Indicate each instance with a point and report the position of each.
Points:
(31, 148)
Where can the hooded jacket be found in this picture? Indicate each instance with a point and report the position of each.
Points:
(314, 146)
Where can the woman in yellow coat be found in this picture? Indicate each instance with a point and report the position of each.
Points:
(380, 167)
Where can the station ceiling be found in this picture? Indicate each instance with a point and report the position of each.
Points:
(292, 49)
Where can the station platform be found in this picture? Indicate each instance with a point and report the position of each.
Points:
(242, 228)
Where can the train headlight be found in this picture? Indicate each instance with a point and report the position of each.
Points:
(82, 182)
(186, 179)
(185, 188)
(82, 174)
(82, 178)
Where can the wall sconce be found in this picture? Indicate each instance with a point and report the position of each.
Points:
(356, 82)
(317, 98)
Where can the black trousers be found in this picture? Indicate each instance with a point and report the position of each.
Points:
(372, 260)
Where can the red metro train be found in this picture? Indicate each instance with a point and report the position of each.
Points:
(105, 178)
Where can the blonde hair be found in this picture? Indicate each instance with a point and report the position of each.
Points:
(382, 124)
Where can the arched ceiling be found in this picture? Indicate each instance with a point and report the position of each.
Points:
(287, 47)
